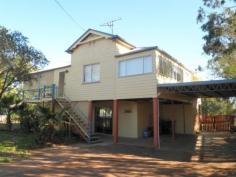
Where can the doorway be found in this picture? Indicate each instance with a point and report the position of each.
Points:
(103, 120)
(61, 84)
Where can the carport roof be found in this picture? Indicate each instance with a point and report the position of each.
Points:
(212, 88)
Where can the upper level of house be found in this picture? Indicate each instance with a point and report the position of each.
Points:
(105, 67)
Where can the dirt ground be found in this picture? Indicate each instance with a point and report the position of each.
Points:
(212, 155)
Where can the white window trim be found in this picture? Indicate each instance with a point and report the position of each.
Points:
(83, 81)
(134, 59)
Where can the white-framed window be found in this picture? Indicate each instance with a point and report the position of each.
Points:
(135, 66)
(91, 73)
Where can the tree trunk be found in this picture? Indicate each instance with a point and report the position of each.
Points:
(9, 123)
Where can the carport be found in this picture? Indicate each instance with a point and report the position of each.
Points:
(188, 91)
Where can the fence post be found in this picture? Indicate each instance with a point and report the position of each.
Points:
(53, 97)
(44, 91)
(53, 91)
(39, 93)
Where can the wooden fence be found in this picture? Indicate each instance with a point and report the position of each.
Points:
(218, 123)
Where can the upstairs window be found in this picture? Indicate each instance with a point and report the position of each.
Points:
(92, 73)
(167, 69)
(135, 66)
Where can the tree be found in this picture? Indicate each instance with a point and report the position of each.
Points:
(219, 24)
(8, 106)
(218, 106)
(17, 59)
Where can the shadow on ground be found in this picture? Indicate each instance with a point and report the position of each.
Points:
(120, 160)
(216, 147)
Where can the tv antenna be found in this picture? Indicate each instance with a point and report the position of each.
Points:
(110, 24)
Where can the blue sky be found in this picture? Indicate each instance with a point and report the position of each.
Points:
(169, 24)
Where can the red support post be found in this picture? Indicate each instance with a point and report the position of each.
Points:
(90, 110)
(173, 129)
(90, 114)
(115, 121)
(156, 123)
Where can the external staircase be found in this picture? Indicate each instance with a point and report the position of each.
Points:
(78, 121)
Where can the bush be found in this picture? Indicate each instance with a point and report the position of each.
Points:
(49, 126)
(29, 120)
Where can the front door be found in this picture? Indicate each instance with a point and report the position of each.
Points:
(61, 84)
(103, 120)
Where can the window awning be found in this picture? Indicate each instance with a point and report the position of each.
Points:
(202, 89)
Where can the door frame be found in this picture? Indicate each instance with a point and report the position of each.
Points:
(61, 83)
(103, 123)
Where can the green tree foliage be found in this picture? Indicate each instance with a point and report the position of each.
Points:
(9, 104)
(28, 118)
(42, 121)
(218, 18)
(218, 106)
(50, 124)
(17, 59)
(219, 24)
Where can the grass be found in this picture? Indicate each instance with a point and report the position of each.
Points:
(15, 144)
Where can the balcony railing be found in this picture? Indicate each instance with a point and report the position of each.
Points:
(46, 92)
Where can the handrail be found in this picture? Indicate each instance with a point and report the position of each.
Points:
(47, 91)
(83, 116)
(51, 92)
(81, 128)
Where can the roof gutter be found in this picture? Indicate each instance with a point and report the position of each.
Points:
(137, 51)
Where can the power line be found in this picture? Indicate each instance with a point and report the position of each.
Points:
(68, 14)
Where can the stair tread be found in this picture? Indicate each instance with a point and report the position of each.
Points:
(95, 138)
(80, 124)
(94, 142)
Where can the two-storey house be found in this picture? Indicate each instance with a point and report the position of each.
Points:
(113, 85)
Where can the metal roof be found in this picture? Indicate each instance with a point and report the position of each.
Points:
(201, 89)
(51, 69)
(112, 36)
(137, 50)
(133, 48)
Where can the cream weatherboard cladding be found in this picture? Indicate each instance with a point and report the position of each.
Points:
(46, 78)
(137, 86)
(110, 86)
(134, 116)
(40, 79)
(103, 51)
(99, 51)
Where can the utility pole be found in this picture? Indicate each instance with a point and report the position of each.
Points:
(110, 24)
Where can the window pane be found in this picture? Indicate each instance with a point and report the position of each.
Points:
(87, 73)
(95, 72)
(122, 68)
(134, 66)
(147, 64)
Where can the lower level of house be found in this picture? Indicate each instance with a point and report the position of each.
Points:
(174, 109)
(167, 113)
(140, 118)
